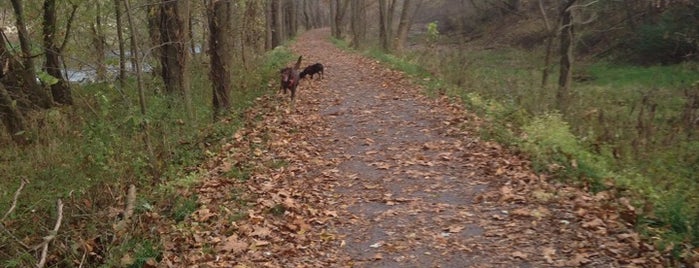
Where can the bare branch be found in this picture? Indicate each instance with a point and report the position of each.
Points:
(14, 200)
(51, 236)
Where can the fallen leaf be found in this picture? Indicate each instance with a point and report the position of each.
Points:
(548, 254)
(233, 244)
(519, 254)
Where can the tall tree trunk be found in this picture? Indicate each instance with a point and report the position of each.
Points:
(358, 23)
(340, 10)
(291, 18)
(383, 26)
(37, 95)
(99, 40)
(12, 118)
(277, 27)
(550, 36)
(174, 60)
(566, 69)
(141, 94)
(153, 18)
(403, 25)
(120, 41)
(61, 89)
(269, 25)
(219, 16)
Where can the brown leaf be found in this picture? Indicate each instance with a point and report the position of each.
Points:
(233, 244)
(549, 252)
(520, 255)
(261, 232)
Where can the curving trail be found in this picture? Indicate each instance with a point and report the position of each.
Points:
(363, 171)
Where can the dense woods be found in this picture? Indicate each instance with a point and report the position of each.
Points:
(96, 96)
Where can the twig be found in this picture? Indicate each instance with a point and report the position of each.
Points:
(51, 236)
(14, 200)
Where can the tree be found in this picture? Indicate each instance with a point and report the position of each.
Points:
(27, 79)
(174, 57)
(99, 41)
(406, 20)
(120, 42)
(219, 17)
(358, 22)
(60, 89)
(338, 9)
(567, 36)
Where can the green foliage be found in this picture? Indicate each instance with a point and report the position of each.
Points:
(432, 32)
(183, 207)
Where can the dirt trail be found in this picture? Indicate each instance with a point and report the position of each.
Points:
(372, 174)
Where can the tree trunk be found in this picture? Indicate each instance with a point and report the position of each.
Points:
(99, 40)
(219, 16)
(551, 34)
(153, 18)
(383, 26)
(61, 89)
(269, 28)
(340, 10)
(277, 29)
(174, 58)
(566, 44)
(37, 95)
(141, 94)
(358, 23)
(403, 25)
(120, 41)
(12, 118)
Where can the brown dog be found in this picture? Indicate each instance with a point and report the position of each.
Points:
(290, 78)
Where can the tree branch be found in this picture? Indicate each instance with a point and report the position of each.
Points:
(51, 236)
(14, 200)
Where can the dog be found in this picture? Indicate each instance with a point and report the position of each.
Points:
(290, 78)
(311, 70)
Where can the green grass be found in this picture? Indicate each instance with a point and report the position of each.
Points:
(661, 76)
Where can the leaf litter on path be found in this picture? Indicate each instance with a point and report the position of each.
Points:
(364, 171)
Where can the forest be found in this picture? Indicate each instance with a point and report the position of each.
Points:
(114, 113)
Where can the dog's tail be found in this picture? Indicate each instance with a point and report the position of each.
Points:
(298, 63)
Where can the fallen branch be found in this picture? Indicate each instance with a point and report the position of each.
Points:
(14, 200)
(51, 236)
(10, 210)
(128, 211)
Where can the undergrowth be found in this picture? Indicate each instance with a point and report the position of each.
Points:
(90, 153)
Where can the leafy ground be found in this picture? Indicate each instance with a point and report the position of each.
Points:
(363, 171)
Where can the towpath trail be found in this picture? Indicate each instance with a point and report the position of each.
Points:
(365, 171)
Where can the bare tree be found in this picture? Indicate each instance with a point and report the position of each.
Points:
(406, 19)
(358, 22)
(120, 41)
(99, 41)
(174, 58)
(567, 36)
(60, 90)
(219, 17)
(338, 9)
